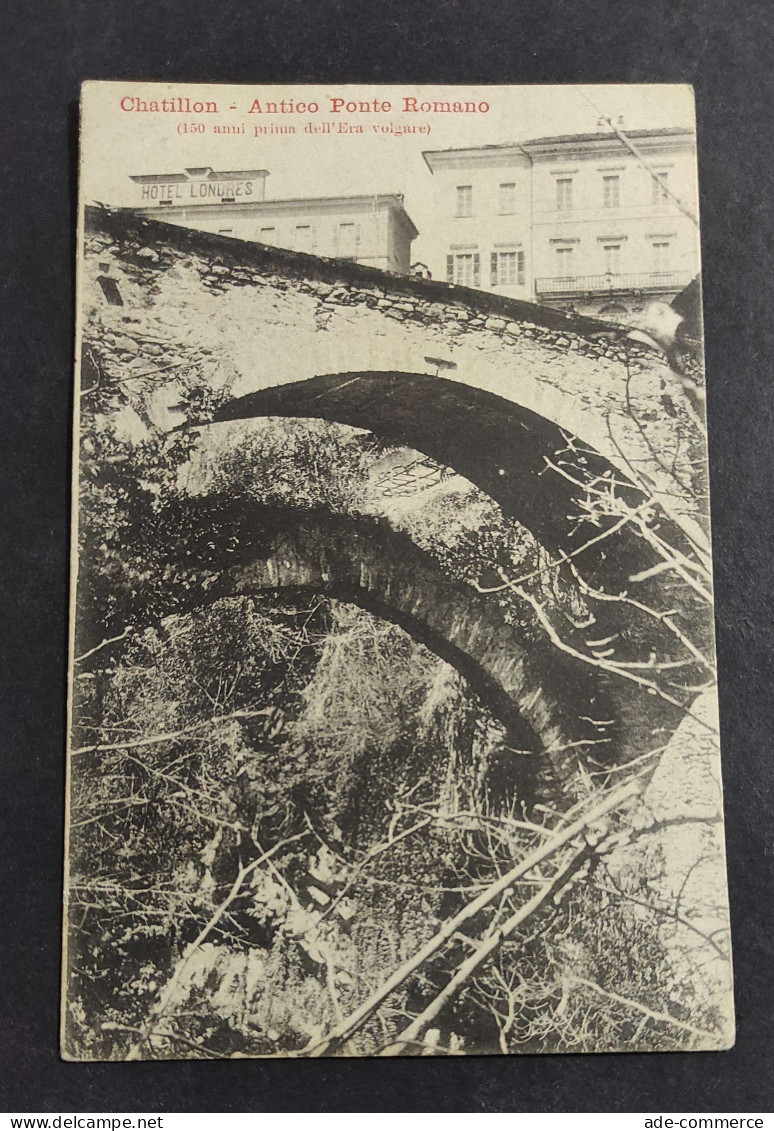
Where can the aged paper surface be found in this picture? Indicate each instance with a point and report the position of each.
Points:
(393, 713)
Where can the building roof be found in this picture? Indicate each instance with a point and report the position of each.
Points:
(665, 131)
(205, 173)
(561, 139)
(494, 147)
(393, 200)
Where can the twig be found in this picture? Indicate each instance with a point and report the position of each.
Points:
(664, 618)
(664, 912)
(375, 851)
(559, 562)
(170, 736)
(606, 665)
(653, 1014)
(111, 640)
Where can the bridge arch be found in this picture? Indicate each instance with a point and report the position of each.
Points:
(499, 445)
(225, 548)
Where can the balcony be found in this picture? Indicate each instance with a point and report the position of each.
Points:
(644, 282)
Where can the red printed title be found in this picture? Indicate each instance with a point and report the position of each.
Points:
(335, 105)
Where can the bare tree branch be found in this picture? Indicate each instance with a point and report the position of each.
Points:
(344, 1031)
(653, 1014)
(170, 736)
(607, 665)
(494, 939)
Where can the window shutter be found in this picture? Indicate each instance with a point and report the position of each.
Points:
(520, 269)
(476, 270)
(493, 268)
(449, 268)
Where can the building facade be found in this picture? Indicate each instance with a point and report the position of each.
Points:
(581, 222)
(375, 230)
(482, 214)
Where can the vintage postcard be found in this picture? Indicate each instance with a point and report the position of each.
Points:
(393, 709)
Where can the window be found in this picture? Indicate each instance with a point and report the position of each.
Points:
(661, 256)
(464, 200)
(659, 197)
(347, 244)
(612, 253)
(508, 197)
(564, 261)
(304, 237)
(464, 268)
(612, 191)
(507, 268)
(564, 194)
(266, 235)
(225, 231)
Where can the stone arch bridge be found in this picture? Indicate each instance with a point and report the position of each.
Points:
(277, 318)
(499, 390)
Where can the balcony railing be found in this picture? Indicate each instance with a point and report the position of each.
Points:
(610, 283)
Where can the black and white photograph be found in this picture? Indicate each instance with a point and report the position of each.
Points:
(393, 708)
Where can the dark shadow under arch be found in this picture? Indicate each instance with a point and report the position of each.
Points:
(497, 444)
(502, 448)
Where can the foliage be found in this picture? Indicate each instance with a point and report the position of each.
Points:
(277, 801)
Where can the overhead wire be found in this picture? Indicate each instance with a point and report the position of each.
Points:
(621, 135)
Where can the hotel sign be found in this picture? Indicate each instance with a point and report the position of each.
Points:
(201, 186)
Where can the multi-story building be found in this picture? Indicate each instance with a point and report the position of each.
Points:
(375, 229)
(481, 236)
(582, 222)
(607, 233)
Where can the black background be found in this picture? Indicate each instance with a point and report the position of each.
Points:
(725, 49)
